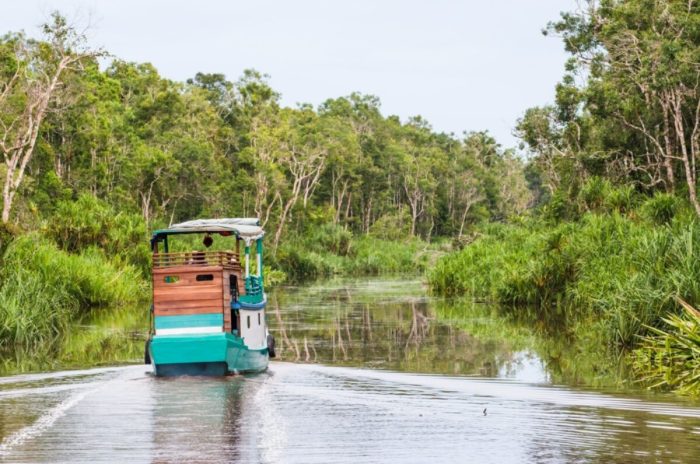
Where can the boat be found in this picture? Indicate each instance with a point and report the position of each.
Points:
(208, 313)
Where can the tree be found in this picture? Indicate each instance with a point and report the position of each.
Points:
(171, 151)
(32, 76)
(421, 155)
(637, 117)
(303, 154)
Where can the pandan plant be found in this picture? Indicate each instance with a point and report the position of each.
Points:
(669, 357)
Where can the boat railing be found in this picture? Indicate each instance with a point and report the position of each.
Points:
(197, 258)
(254, 292)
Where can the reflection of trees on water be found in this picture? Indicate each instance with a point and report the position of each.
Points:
(284, 342)
(350, 328)
(419, 327)
(366, 326)
(308, 357)
(337, 342)
(366, 323)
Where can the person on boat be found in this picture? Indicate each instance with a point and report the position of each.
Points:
(199, 257)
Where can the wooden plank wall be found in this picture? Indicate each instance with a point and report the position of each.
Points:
(187, 295)
(227, 301)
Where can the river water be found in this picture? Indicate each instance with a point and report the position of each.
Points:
(371, 370)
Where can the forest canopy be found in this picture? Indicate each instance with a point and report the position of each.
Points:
(169, 151)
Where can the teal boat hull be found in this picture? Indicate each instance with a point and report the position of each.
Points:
(205, 354)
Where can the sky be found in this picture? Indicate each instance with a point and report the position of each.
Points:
(465, 65)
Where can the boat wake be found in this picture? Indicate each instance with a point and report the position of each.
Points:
(44, 422)
(481, 389)
(75, 384)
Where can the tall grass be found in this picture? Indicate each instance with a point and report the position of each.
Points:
(482, 268)
(43, 288)
(603, 279)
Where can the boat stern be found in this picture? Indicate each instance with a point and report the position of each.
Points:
(204, 354)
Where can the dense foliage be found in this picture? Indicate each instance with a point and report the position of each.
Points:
(612, 244)
(43, 288)
(601, 280)
(670, 356)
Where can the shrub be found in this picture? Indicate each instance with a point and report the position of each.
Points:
(661, 208)
(330, 238)
(392, 226)
(606, 277)
(81, 223)
(482, 269)
(621, 199)
(369, 256)
(88, 221)
(374, 256)
(599, 195)
(7, 235)
(558, 208)
(593, 194)
(299, 263)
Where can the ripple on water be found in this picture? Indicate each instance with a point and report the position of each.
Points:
(312, 413)
(316, 414)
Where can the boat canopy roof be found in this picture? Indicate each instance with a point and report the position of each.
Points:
(246, 228)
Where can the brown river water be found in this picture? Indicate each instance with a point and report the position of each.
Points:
(371, 370)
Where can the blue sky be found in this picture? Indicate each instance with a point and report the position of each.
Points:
(462, 65)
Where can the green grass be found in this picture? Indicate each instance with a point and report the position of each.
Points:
(43, 288)
(100, 337)
(480, 269)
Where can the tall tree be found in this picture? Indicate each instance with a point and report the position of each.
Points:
(32, 75)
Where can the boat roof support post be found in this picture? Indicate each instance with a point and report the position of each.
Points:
(247, 260)
(259, 247)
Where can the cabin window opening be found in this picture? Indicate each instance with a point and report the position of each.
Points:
(249, 322)
(258, 318)
(205, 277)
(171, 279)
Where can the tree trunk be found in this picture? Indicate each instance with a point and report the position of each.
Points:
(687, 164)
(18, 156)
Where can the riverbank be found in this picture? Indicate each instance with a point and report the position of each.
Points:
(334, 251)
(43, 289)
(86, 264)
(609, 280)
(380, 322)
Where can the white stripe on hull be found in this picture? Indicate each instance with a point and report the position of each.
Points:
(189, 330)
